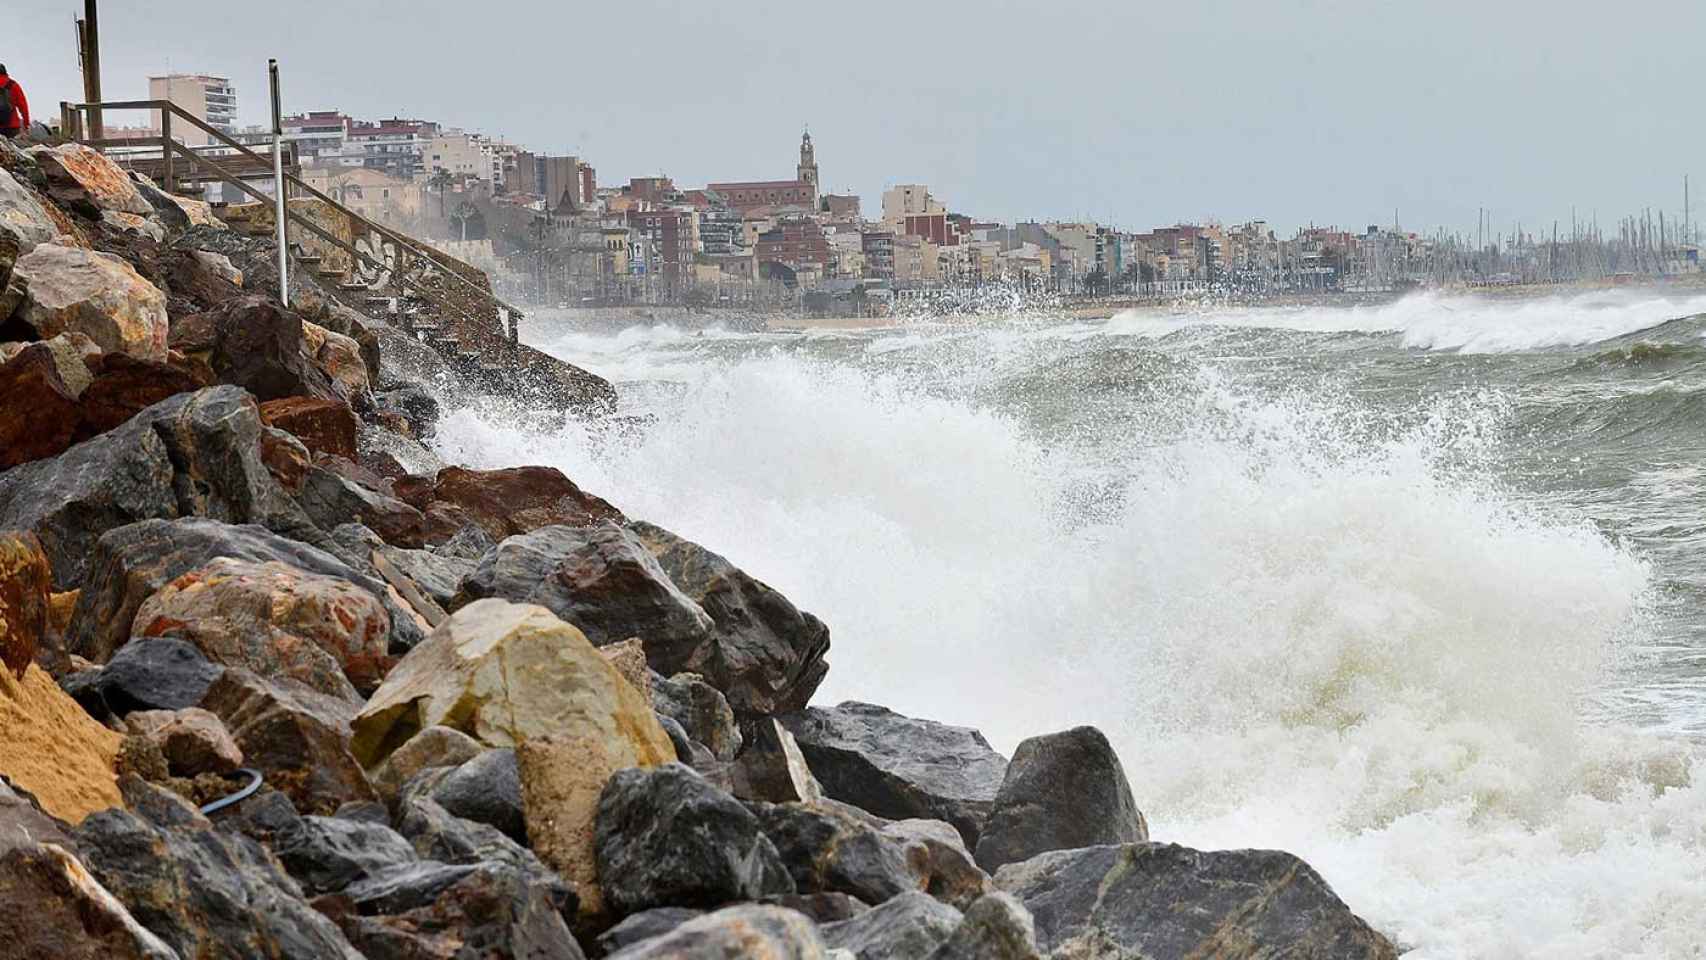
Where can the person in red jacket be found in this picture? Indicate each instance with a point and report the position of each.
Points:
(14, 108)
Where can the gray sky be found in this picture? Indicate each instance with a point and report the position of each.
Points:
(1296, 111)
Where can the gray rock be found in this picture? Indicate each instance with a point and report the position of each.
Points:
(296, 737)
(436, 746)
(51, 908)
(643, 926)
(23, 822)
(326, 853)
(909, 926)
(666, 837)
(438, 576)
(1062, 791)
(331, 500)
(702, 711)
(148, 673)
(23, 215)
(469, 543)
(364, 811)
(827, 852)
(486, 789)
(692, 752)
(437, 910)
(405, 886)
(1168, 902)
(939, 860)
(748, 932)
(602, 580)
(996, 927)
(898, 767)
(821, 907)
(436, 834)
(772, 768)
(765, 654)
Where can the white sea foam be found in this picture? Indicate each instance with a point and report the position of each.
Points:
(1301, 632)
(1428, 321)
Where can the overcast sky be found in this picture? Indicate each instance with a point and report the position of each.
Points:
(1135, 114)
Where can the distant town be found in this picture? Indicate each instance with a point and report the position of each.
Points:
(548, 231)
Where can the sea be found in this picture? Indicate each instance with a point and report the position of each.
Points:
(1415, 590)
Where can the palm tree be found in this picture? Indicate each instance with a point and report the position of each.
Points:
(441, 180)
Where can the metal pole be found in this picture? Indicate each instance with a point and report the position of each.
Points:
(278, 186)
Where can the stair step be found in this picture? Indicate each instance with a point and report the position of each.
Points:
(444, 344)
(309, 259)
(352, 286)
(424, 328)
(328, 272)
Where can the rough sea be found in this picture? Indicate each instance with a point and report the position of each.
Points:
(1414, 591)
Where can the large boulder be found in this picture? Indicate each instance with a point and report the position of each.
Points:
(324, 425)
(22, 216)
(329, 853)
(69, 289)
(432, 747)
(666, 837)
(257, 344)
(332, 500)
(996, 927)
(158, 674)
(298, 738)
(603, 581)
(643, 926)
(437, 834)
(277, 621)
(52, 909)
(431, 911)
(207, 893)
(80, 176)
(908, 926)
(764, 654)
(339, 358)
(772, 768)
(826, 851)
(702, 711)
(508, 502)
(25, 582)
(192, 455)
(899, 767)
(1168, 902)
(486, 789)
(191, 740)
(131, 563)
(747, 931)
(1062, 791)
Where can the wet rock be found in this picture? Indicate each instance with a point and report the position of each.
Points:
(486, 789)
(286, 458)
(1166, 901)
(331, 500)
(22, 215)
(772, 768)
(517, 500)
(910, 925)
(52, 909)
(747, 931)
(339, 358)
(503, 673)
(323, 425)
(601, 580)
(702, 711)
(205, 892)
(277, 621)
(192, 740)
(438, 910)
(938, 858)
(643, 926)
(25, 583)
(414, 404)
(828, 852)
(1062, 791)
(254, 343)
(297, 737)
(326, 854)
(470, 543)
(69, 289)
(150, 674)
(435, 746)
(83, 177)
(996, 927)
(665, 837)
(765, 654)
(194, 454)
(130, 563)
(121, 386)
(899, 767)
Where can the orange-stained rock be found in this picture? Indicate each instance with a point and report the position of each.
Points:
(25, 582)
(338, 357)
(95, 294)
(285, 457)
(325, 426)
(38, 409)
(78, 173)
(192, 740)
(54, 394)
(507, 502)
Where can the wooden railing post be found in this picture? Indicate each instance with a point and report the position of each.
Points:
(166, 150)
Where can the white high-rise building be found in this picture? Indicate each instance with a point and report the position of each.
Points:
(211, 99)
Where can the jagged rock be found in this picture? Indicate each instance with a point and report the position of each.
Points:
(260, 817)
(157, 674)
(119, 223)
(339, 358)
(666, 837)
(286, 458)
(296, 737)
(68, 289)
(695, 754)
(504, 673)
(939, 860)
(191, 455)
(1170, 902)
(468, 543)
(25, 582)
(899, 767)
(414, 404)
(772, 768)
(438, 576)
(508, 502)
(436, 834)
(52, 909)
(746, 931)
(131, 563)
(205, 892)
(277, 621)
(364, 811)
(702, 711)
(765, 654)
(825, 851)
(22, 215)
(219, 265)
(255, 343)
(323, 425)
(81, 176)
(331, 500)
(345, 322)
(24, 822)
(394, 456)
(908, 926)
(121, 386)
(643, 926)
(406, 886)
(996, 927)
(629, 659)
(433, 747)
(453, 911)
(326, 854)
(486, 789)
(821, 907)
(1062, 791)
(192, 740)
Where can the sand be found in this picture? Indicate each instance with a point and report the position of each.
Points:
(52, 748)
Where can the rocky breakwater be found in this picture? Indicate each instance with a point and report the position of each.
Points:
(270, 690)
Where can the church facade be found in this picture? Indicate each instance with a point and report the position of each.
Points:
(802, 191)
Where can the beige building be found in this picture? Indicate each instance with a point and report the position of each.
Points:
(915, 260)
(211, 99)
(373, 194)
(909, 200)
(458, 154)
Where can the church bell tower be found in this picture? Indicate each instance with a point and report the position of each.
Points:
(808, 164)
